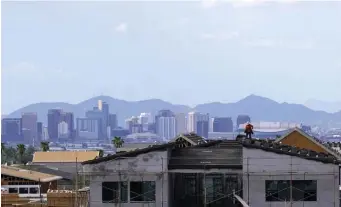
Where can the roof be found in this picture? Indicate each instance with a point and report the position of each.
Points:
(313, 139)
(271, 146)
(64, 156)
(28, 174)
(47, 170)
(133, 153)
(192, 138)
(266, 145)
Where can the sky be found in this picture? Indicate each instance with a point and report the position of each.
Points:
(182, 52)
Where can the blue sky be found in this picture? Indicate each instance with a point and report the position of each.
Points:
(186, 53)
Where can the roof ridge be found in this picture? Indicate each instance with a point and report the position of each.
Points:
(289, 150)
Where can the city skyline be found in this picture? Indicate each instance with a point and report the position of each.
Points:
(162, 44)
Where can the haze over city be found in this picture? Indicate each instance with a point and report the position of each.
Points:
(185, 53)
(171, 104)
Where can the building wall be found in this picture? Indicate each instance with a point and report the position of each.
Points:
(259, 166)
(145, 167)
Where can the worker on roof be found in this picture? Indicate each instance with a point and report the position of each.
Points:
(248, 130)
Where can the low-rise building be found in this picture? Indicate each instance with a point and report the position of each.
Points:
(191, 171)
(67, 161)
(27, 183)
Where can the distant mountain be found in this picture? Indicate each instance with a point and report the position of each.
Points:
(123, 109)
(330, 107)
(264, 109)
(257, 107)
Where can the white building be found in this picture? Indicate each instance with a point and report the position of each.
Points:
(193, 118)
(166, 127)
(63, 130)
(145, 119)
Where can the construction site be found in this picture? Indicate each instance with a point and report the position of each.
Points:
(191, 171)
(214, 174)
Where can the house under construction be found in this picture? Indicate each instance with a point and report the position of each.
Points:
(190, 171)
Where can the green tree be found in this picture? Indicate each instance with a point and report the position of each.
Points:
(21, 151)
(101, 153)
(45, 146)
(3, 153)
(28, 155)
(3, 148)
(117, 142)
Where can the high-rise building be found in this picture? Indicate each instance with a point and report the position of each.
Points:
(180, 123)
(193, 118)
(100, 113)
(166, 127)
(63, 130)
(145, 120)
(105, 111)
(113, 121)
(29, 125)
(133, 125)
(210, 125)
(88, 128)
(68, 118)
(40, 130)
(54, 117)
(222, 124)
(242, 119)
(202, 128)
(11, 130)
(162, 113)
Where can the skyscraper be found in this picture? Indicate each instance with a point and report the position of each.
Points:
(101, 113)
(180, 123)
(165, 124)
(222, 124)
(202, 128)
(193, 118)
(133, 125)
(54, 117)
(88, 128)
(40, 130)
(113, 121)
(11, 130)
(29, 126)
(68, 118)
(145, 120)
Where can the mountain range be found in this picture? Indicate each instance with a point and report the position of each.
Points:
(330, 107)
(257, 107)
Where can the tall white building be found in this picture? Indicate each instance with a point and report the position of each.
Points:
(180, 123)
(210, 125)
(166, 127)
(63, 130)
(193, 118)
(145, 119)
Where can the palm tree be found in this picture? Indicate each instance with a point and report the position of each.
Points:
(117, 142)
(21, 151)
(3, 148)
(101, 153)
(45, 146)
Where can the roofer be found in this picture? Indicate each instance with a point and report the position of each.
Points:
(248, 130)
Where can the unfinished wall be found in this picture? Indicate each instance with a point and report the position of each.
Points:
(145, 167)
(259, 165)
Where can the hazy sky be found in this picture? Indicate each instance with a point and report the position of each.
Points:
(186, 53)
